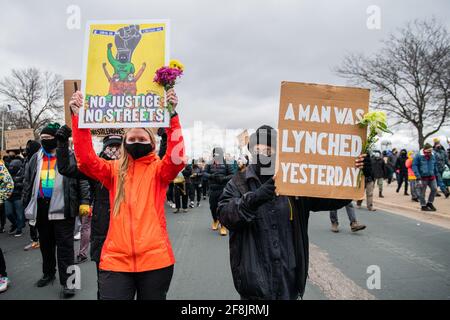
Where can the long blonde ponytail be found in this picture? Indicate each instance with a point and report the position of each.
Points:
(124, 162)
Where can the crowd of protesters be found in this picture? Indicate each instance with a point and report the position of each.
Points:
(117, 199)
(413, 171)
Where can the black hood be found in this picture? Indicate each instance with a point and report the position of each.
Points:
(404, 153)
(32, 147)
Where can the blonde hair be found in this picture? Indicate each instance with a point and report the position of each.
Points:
(123, 169)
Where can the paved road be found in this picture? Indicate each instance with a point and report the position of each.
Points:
(414, 260)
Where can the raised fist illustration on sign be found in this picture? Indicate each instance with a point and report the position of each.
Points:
(126, 40)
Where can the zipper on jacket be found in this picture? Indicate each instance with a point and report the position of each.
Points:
(133, 250)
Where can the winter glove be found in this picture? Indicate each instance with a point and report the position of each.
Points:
(63, 134)
(84, 210)
(264, 193)
(161, 132)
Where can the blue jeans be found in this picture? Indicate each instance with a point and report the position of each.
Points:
(421, 188)
(350, 212)
(15, 214)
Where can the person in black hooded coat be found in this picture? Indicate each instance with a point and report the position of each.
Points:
(67, 165)
(218, 174)
(31, 148)
(269, 246)
(400, 166)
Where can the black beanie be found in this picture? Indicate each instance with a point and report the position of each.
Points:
(51, 129)
(263, 135)
(111, 139)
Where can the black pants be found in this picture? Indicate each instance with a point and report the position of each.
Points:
(214, 196)
(2, 215)
(196, 190)
(97, 265)
(56, 237)
(34, 233)
(191, 191)
(180, 195)
(205, 187)
(149, 285)
(402, 178)
(2, 265)
(170, 192)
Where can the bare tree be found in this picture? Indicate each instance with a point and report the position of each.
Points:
(409, 77)
(38, 96)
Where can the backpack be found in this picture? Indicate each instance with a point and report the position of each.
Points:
(446, 174)
(179, 178)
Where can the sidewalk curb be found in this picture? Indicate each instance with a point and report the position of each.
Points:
(386, 206)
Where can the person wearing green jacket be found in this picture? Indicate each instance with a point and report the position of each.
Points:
(121, 66)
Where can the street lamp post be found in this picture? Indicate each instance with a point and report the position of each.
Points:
(9, 108)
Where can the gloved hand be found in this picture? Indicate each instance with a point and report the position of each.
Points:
(63, 134)
(264, 193)
(84, 210)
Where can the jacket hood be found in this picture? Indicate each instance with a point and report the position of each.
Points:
(15, 166)
(32, 147)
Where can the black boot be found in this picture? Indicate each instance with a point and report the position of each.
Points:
(381, 194)
(45, 280)
(67, 293)
(447, 193)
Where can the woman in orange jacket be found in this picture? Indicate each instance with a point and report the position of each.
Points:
(137, 256)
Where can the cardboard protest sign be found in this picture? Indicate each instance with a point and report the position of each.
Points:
(69, 89)
(16, 139)
(119, 65)
(319, 140)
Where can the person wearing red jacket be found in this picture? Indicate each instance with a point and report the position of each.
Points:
(137, 256)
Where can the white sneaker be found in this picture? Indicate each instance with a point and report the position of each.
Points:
(77, 236)
(4, 282)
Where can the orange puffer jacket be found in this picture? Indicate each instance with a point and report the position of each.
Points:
(408, 165)
(137, 238)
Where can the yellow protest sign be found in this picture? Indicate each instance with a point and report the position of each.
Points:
(119, 66)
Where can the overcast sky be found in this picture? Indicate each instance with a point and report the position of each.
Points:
(236, 53)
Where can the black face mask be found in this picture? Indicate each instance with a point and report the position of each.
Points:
(49, 144)
(138, 150)
(264, 165)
